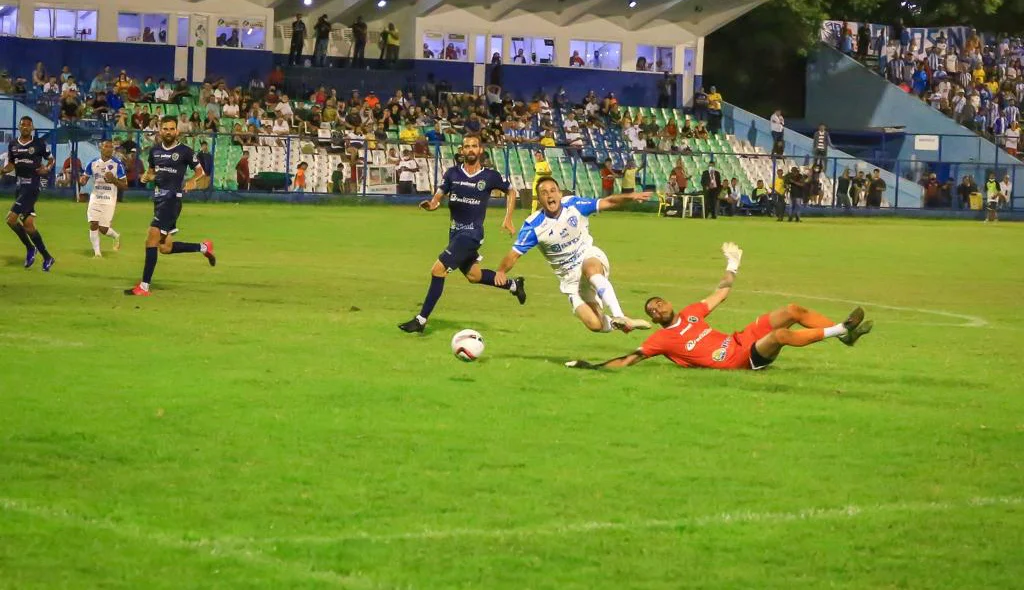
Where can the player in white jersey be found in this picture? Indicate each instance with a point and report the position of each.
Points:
(561, 230)
(108, 176)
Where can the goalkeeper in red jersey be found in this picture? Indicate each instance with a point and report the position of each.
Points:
(689, 341)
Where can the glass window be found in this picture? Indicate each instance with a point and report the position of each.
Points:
(154, 28)
(433, 45)
(652, 58)
(241, 33)
(182, 31)
(58, 23)
(481, 49)
(8, 20)
(254, 34)
(456, 48)
(494, 50)
(228, 34)
(602, 55)
(663, 59)
(133, 27)
(532, 50)
(129, 27)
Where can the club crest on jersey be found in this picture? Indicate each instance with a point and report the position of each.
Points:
(31, 150)
(693, 319)
(174, 157)
(573, 221)
(719, 355)
(481, 185)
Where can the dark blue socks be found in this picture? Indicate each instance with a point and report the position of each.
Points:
(182, 247)
(487, 278)
(433, 296)
(147, 271)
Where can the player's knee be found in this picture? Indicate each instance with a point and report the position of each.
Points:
(795, 310)
(166, 248)
(103, 230)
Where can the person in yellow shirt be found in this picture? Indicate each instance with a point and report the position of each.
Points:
(548, 140)
(409, 134)
(629, 176)
(979, 75)
(541, 169)
(993, 87)
(393, 41)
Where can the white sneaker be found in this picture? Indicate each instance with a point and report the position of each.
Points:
(627, 325)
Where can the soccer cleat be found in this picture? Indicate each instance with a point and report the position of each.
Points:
(97, 255)
(852, 322)
(30, 257)
(627, 325)
(117, 243)
(412, 326)
(520, 292)
(209, 252)
(580, 365)
(137, 291)
(851, 337)
(48, 264)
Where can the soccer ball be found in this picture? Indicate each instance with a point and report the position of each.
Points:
(467, 345)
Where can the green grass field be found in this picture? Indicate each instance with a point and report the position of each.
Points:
(264, 424)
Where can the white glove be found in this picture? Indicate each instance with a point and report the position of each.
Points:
(733, 254)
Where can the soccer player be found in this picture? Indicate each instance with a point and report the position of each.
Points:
(468, 187)
(25, 156)
(169, 161)
(109, 176)
(687, 339)
(561, 229)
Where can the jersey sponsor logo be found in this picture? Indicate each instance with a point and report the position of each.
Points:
(564, 234)
(693, 343)
(719, 355)
(556, 248)
(693, 319)
(466, 200)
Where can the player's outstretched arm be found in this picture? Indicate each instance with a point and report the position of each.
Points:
(501, 275)
(511, 196)
(618, 200)
(432, 203)
(615, 363)
(733, 255)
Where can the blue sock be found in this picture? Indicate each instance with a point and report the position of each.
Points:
(147, 271)
(182, 247)
(19, 229)
(37, 240)
(433, 295)
(487, 278)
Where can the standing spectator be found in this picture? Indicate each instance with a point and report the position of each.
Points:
(1011, 138)
(338, 179)
(778, 132)
(846, 41)
(133, 168)
(844, 188)
(966, 188)
(821, 142)
(932, 189)
(322, 30)
(797, 182)
(1006, 188)
(859, 188)
(407, 169)
(700, 104)
(666, 86)
(678, 181)
(242, 172)
(863, 40)
(359, 34)
(299, 183)
(298, 40)
(607, 178)
(876, 188)
(629, 174)
(711, 184)
(714, 111)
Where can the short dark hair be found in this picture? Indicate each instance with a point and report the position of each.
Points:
(169, 119)
(544, 179)
(204, 142)
(648, 302)
(26, 118)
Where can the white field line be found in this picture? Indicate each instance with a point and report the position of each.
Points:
(17, 339)
(216, 548)
(722, 519)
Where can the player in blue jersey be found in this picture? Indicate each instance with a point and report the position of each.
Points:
(169, 162)
(469, 189)
(25, 157)
(108, 176)
(560, 229)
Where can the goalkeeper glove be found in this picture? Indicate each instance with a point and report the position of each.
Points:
(733, 254)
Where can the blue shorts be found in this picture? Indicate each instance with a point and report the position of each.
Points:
(462, 253)
(165, 215)
(25, 196)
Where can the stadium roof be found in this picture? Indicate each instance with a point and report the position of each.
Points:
(700, 16)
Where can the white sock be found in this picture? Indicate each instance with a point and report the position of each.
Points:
(94, 237)
(145, 286)
(511, 286)
(836, 330)
(422, 320)
(607, 294)
(202, 247)
(606, 324)
(113, 235)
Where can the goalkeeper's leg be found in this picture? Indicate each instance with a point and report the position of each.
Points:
(796, 314)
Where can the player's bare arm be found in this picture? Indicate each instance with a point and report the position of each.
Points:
(199, 180)
(627, 360)
(44, 170)
(148, 176)
(7, 168)
(511, 196)
(615, 201)
(733, 255)
(500, 275)
(433, 203)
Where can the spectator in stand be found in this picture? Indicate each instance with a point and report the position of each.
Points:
(337, 183)
(70, 106)
(68, 84)
(607, 178)
(406, 170)
(876, 190)
(99, 106)
(701, 132)
(629, 175)
(162, 93)
(932, 197)
(322, 30)
(299, 183)
(428, 53)
(39, 76)
(965, 189)
(147, 90)
(677, 179)
(859, 188)
(844, 189)
(863, 40)
(575, 61)
(714, 111)
(700, 104)
(821, 142)
(99, 84)
(711, 184)
(181, 91)
(778, 124)
(70, 171)
(298, 40)
(666, 87)
(451, 53)
(846, 40)
(392, 41)
(242, 176)
(798, 190)
(359, 34)
(1011, 138)
(133, 167)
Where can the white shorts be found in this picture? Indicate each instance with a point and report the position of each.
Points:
(101, 211)
(579, 290)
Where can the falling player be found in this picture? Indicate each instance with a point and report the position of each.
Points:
(25, 156)
(169, 161)
(469, 189)
(108, 176)
(561, 229)
(687, 339)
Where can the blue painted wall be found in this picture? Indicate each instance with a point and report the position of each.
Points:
(237, 66)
